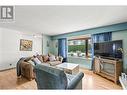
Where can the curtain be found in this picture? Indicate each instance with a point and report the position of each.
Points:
(96, 38)
(62, 48)
(101, 37)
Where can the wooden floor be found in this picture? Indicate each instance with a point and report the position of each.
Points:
(93, 81)
(9, 80)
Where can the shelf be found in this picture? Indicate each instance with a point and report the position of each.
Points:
(108, 74)
(84, 58)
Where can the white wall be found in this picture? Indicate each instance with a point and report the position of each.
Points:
(10, 45)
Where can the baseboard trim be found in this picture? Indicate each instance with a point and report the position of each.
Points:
(7, 69)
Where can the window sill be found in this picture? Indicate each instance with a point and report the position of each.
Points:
(79, 57)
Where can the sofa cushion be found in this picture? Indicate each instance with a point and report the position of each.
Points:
(45, 58)
(53, 63)
(40, 58)
(57, 58)
(52, 58)
(45, 64)
(50, 54)
(36, 60)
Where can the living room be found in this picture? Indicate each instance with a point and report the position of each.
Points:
(47, 29)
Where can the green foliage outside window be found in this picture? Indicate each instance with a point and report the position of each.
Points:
(74, 48)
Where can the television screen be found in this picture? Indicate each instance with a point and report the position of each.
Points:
(108, 49)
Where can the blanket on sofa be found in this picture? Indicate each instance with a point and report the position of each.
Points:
(18, 69)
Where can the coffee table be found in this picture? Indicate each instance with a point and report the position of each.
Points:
(69, 68)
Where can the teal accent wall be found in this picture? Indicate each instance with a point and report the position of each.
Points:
(46, 49)
(54, 47)
(83, 62)
(109, 28)
(119, 32)
(122, 35)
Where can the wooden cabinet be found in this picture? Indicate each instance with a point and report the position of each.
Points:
(107, 67)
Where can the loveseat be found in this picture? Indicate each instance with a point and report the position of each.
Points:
(25, 66)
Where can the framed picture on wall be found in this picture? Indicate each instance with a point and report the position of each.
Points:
(25, 45)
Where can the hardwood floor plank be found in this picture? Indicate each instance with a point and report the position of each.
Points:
(91, 81)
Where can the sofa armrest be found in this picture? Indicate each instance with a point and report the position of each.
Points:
(78, 77)
(25, 65)
(27, 70)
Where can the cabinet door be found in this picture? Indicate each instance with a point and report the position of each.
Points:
(97, 65)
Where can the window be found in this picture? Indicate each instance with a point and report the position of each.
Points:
(79, 47)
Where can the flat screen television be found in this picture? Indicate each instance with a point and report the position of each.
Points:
(108, 49)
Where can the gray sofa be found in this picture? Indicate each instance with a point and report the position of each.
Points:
(48, 77)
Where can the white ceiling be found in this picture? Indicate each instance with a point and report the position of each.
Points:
(54, 20)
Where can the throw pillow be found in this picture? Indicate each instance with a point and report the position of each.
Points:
(49, 54)
(36, 61)
(57, 58)
(52, 58)
(40, 58)
(45, 58)
(31, 62)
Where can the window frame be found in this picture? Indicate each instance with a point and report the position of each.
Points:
(86, 45)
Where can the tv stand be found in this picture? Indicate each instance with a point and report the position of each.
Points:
(108, 68)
